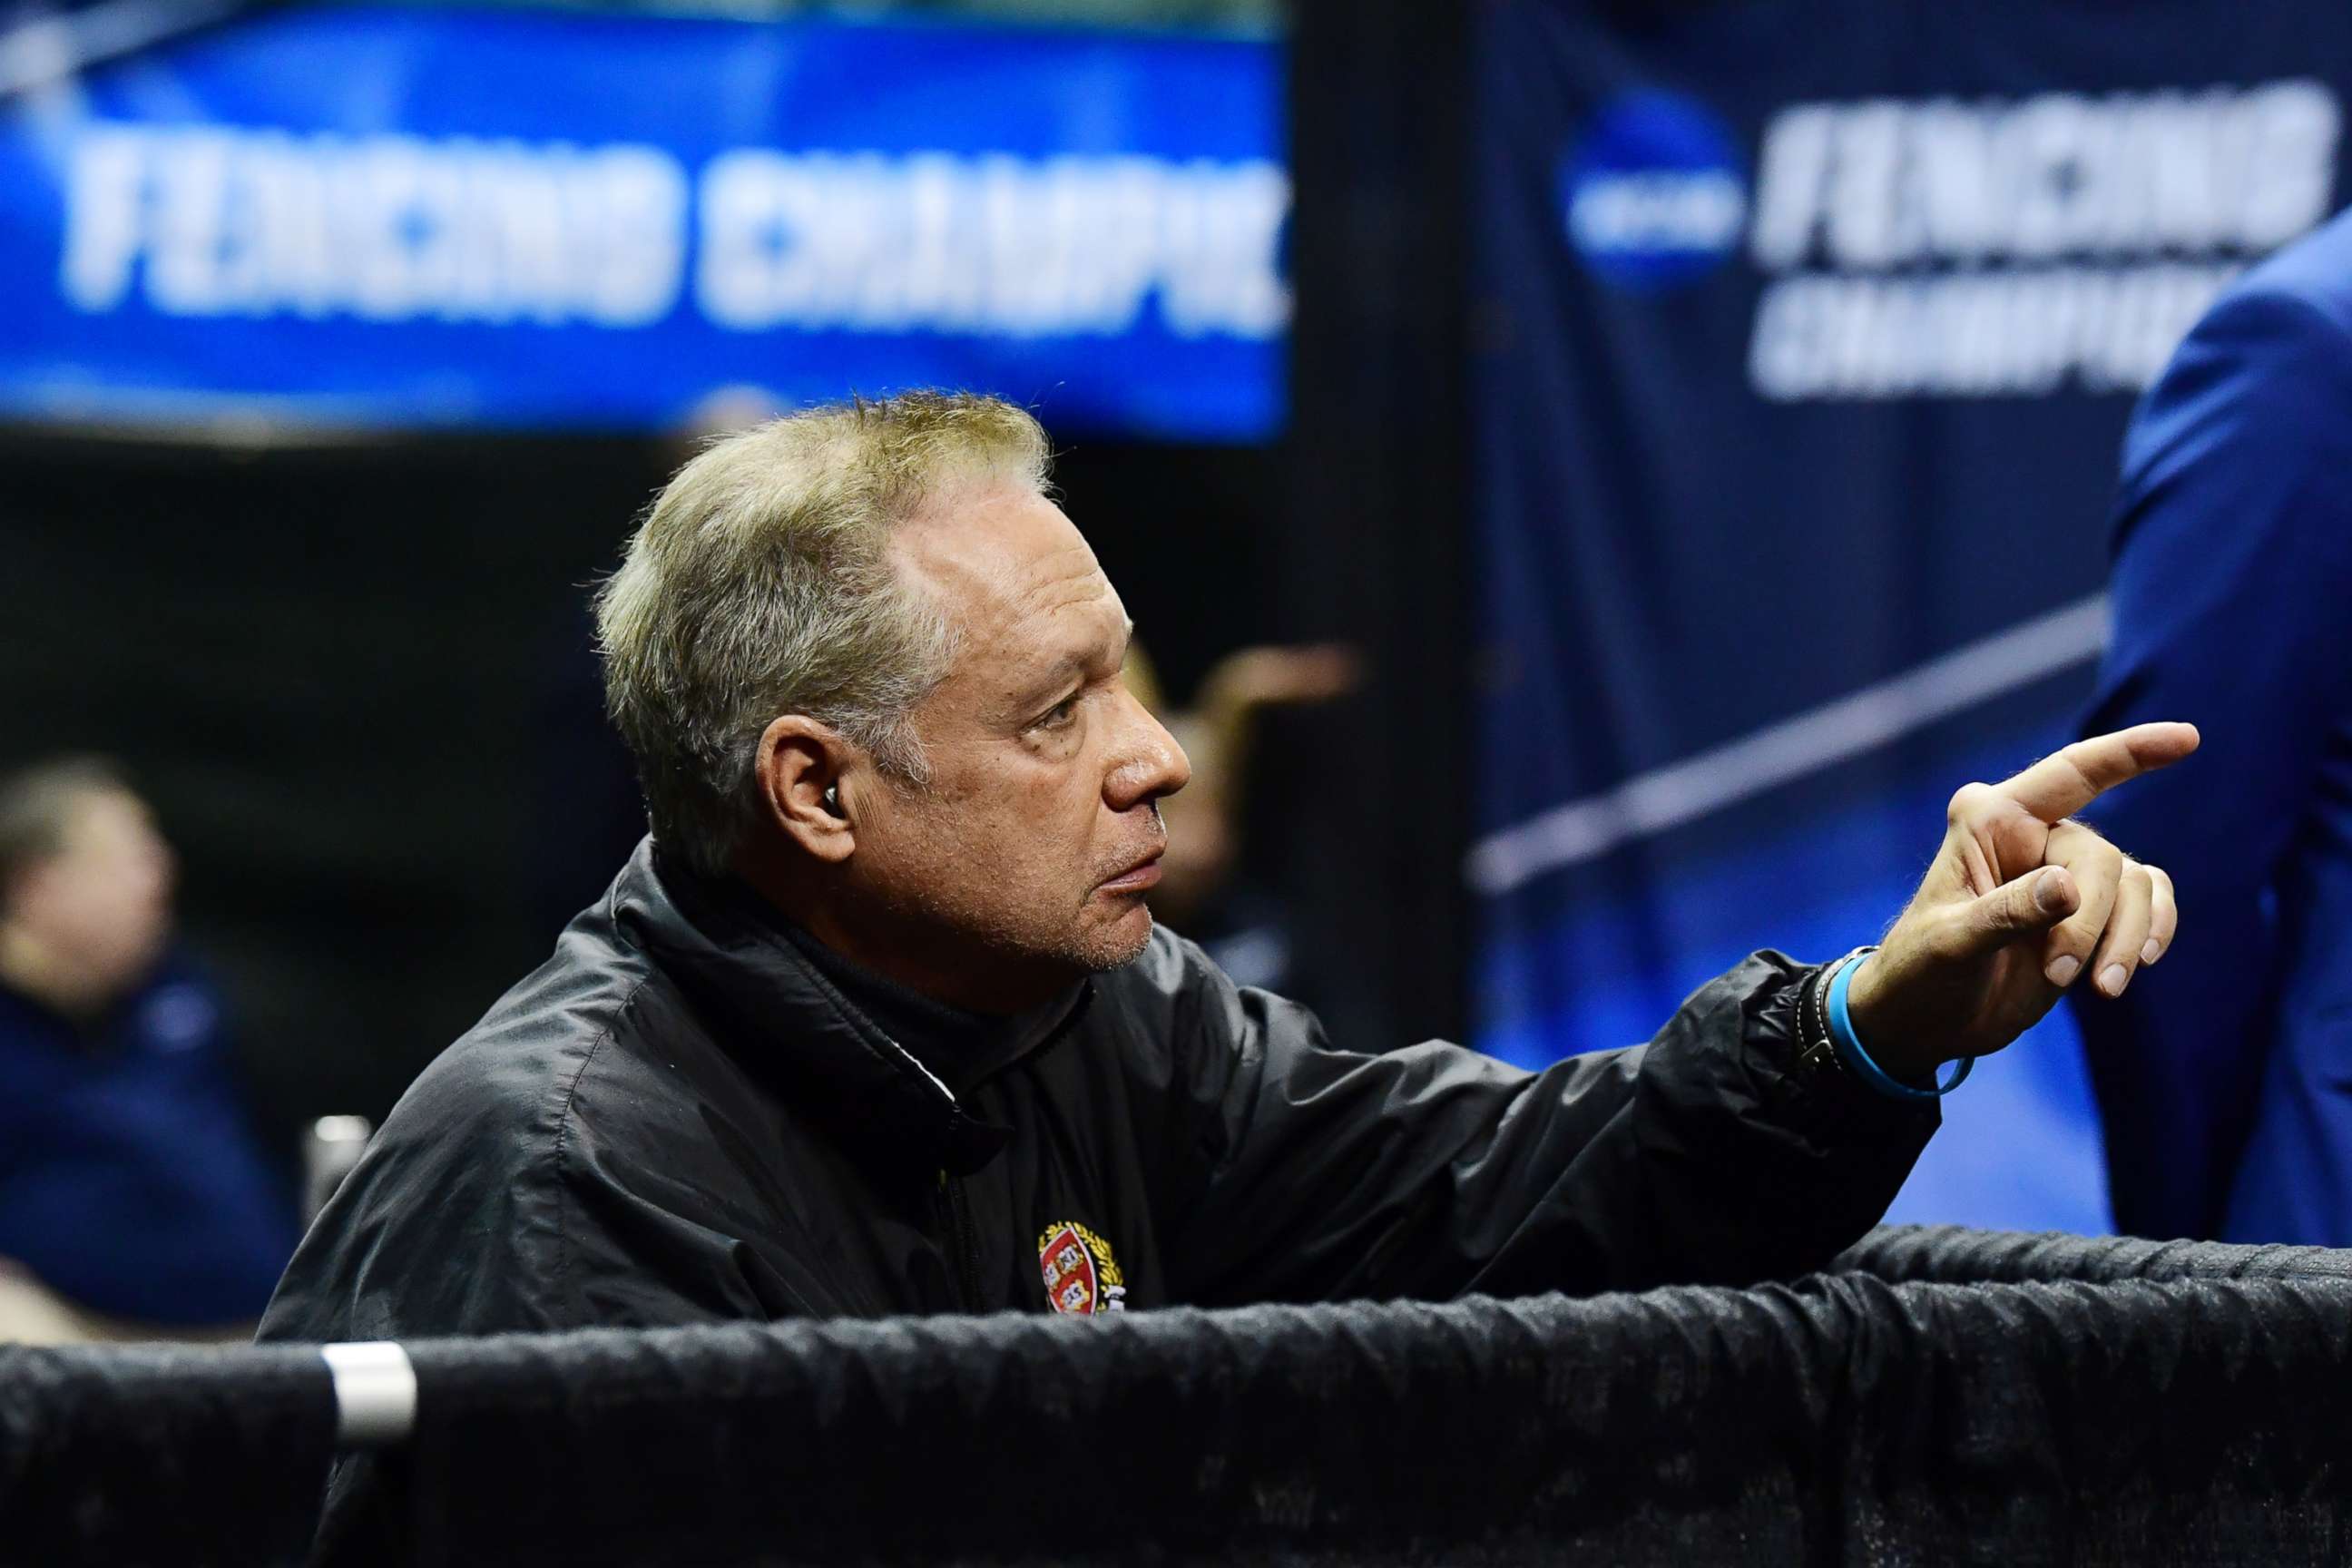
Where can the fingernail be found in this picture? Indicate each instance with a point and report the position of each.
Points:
(2046, 893)
(2111, 980)
(2063, 970)
(2147, 954)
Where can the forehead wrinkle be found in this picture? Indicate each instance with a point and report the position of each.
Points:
(1077, 582)
(1078, 586)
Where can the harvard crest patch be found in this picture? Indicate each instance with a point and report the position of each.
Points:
(1081, 1274)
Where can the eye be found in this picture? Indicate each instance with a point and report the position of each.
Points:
(1059, 714)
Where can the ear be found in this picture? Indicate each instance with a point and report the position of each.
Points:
(800, 766)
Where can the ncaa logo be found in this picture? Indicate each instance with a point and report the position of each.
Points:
(1653, 194)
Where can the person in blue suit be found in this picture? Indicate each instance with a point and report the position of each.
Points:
(134, 1199)
(2224, 1076)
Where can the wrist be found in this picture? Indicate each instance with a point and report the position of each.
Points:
(1865, 1010)
(1893, 1071)
(1862, 1001)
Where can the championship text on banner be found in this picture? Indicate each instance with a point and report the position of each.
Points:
(370, 217)
(1809, 329)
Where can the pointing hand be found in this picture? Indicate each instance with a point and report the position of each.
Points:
(2020, 902)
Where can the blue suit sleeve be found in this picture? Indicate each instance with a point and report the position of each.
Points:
(2230, 526)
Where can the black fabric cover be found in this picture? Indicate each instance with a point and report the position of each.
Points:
(1955, 1255)
(1842, 1419)
(161, 1455)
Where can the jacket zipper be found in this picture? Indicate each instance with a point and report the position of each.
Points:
(957, 1212)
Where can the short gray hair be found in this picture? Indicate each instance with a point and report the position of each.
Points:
(759, 585)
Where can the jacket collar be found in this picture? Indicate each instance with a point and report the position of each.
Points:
(785, 1020)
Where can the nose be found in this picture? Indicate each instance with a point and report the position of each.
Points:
(1150, 763)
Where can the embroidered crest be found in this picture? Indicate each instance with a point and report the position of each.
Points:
(1081, 1274)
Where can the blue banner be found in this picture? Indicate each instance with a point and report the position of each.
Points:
(435, 217)
(1810, 328)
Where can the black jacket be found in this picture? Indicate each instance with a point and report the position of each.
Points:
(680, 1118)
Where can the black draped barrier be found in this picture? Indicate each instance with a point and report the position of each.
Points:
(1846, 1417)
(139, 1454)
(1957, 1255)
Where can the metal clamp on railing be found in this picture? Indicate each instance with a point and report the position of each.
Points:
(375, 1393)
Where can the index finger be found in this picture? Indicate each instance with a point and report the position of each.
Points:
(2071, 777)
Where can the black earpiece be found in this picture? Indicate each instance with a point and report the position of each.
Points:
(832, 800)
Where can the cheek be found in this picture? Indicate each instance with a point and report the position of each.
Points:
(101, 922)
(1025, 819)
(83, 909)
(968, 844)
(1055, 800)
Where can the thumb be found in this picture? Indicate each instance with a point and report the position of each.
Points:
(2033, 902)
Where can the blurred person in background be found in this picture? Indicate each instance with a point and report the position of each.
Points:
(1204, 891)
(2225, 1079)
(135, 1200)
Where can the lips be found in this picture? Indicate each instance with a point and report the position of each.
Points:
(1139, 877)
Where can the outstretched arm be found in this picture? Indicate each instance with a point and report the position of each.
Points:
(1725, 1150)
(1708, 1155)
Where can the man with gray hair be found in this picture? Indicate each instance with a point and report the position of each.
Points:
(876, 1020)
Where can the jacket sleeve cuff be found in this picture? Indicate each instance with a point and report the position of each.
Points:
(1805, 1083)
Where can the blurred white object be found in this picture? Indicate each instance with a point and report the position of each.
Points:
(375, 1388)
(329, 1149)
(31, 1314)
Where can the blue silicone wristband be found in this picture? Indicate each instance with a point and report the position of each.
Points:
(1850, 1051)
